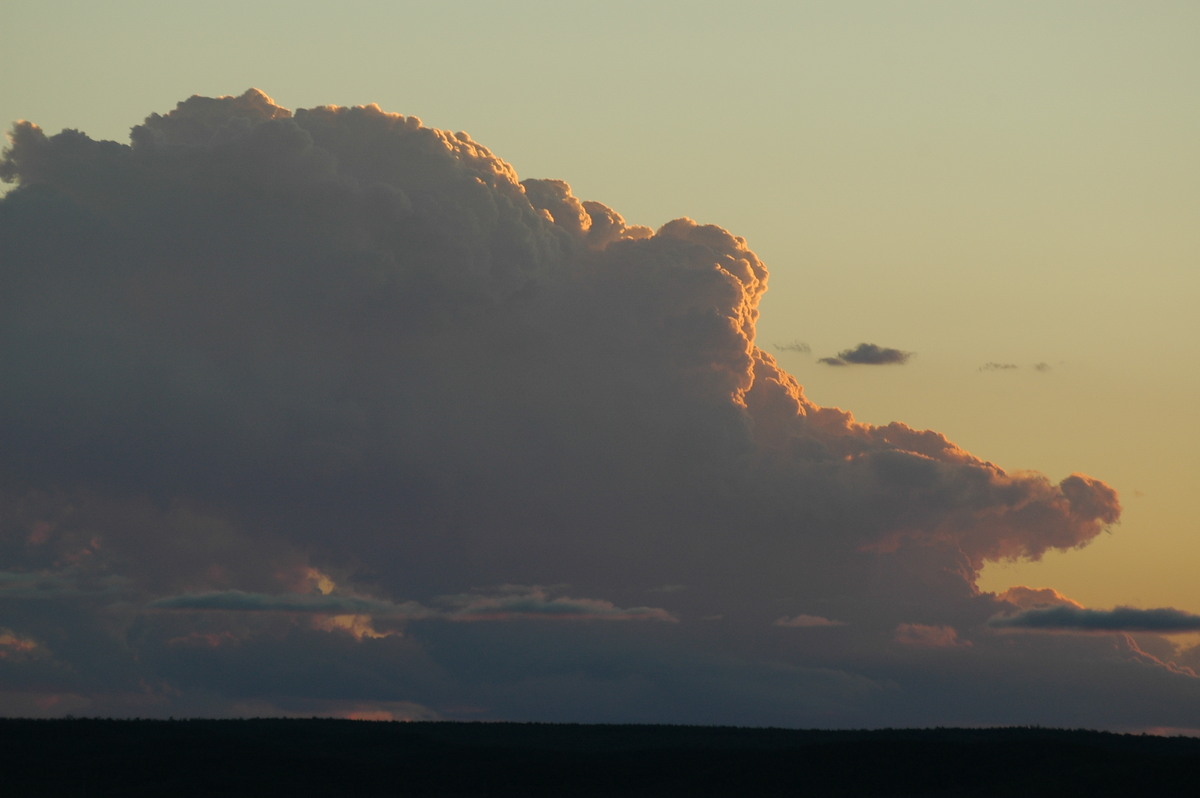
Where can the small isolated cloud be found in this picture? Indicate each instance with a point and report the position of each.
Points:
(868, 355)
(794, 346)
(920, 635)
(15, 646)
(806, 622)
(997, 366)
(1066, 618)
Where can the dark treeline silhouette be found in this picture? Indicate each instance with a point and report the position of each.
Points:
(94, 757)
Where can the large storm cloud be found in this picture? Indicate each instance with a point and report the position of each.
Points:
(288, 397)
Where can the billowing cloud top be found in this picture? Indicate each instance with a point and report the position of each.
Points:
(334, 364)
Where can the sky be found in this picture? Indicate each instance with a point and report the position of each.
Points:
(802, 364)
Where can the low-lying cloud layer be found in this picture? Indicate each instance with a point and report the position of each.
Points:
(1120, 619)
(289, 398)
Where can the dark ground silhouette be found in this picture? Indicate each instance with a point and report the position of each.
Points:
(93, 757)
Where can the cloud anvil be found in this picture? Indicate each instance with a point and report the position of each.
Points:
(299, 393)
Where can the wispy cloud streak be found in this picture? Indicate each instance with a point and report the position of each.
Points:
(533, 604)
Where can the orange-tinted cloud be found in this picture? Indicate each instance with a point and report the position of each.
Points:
(13, 646)
(926, 636)
(278, 385)
(1028, 598)
(806, 622)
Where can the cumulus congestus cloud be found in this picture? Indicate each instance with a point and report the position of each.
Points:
(332, 363)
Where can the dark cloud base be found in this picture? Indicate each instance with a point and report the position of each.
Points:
(1121, 619)
(289, 398)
